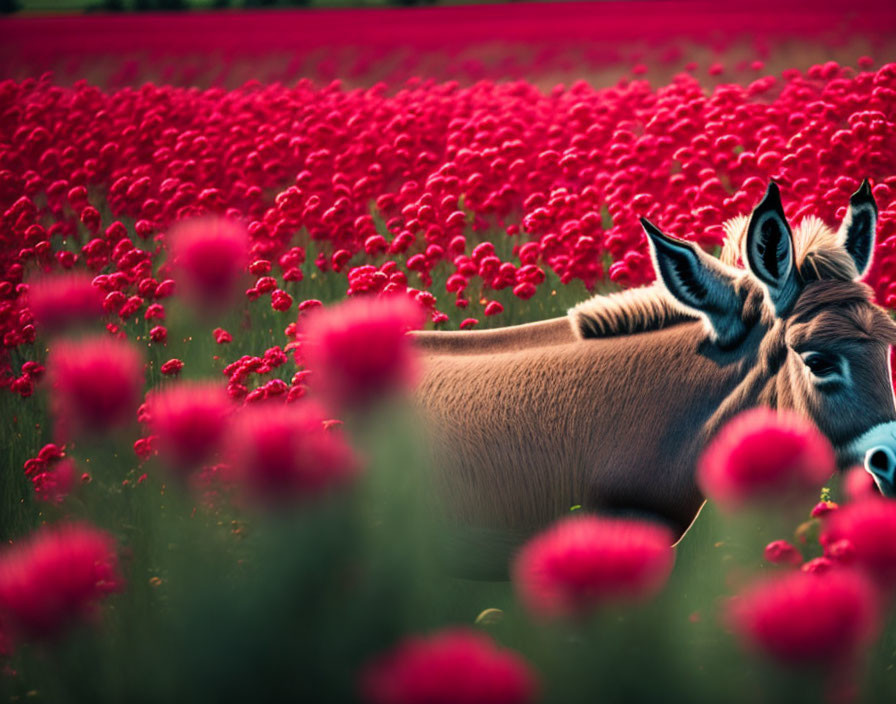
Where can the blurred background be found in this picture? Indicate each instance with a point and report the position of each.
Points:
(230, 42)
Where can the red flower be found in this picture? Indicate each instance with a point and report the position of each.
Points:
(817, 565)
(493, 308)
(54, 483)
(781, 552)
(764, 455)
(801, 617)
(51, 475)
(359, 351)
(159, 333)
(281, 301)
(309, 304)
(210, 256)
(189, 420)
(96, 382)
(823, 508)
(455, 666)
(870, 527)
(581, 562)
(279, 452)
(172, 367)
(858, 484)
(63, 300)
(222, 337)
(55, 577)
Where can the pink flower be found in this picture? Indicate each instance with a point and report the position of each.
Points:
(309, 304)
(858, 484)
(210, 256)
(281, 301)
(55, 577)
(493, 308)
(817, 565)
(51, 474)
(780, 552)
(189, 420)
(764, 455)
(280, 452)
(582, 562)
(159, 333)
(64, 300)
(358, 350)
(800, 617)
(842, 551)
(172, 367)
(824, 508)
(54, 483)
(454, 666)
(96, 382)
(870, 527)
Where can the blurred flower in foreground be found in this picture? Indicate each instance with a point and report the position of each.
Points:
(190, 420)
(805, 618)
(358, 350)
(210, 256)
(454, 666)
(858, 484)
(55, 577)
(869, 527)
(582, 562)
(64, 300)
(765, 455)
(282, 452)
(5, 644)
(96, 383)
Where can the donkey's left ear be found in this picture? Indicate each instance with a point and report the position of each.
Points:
(768, 251)
(700, 283)
(856, 233)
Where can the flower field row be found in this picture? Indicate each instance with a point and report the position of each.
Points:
(215, 490)
(487, 189)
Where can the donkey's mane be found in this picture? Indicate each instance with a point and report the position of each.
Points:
(627, 312)
(819, 253)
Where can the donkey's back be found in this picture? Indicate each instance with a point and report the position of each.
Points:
(527, 422)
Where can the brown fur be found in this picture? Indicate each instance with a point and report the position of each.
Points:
(530, 420)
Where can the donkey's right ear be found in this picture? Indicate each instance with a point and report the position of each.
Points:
(769, 251)
(699, 283)
(857, 231)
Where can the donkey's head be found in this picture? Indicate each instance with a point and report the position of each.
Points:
(798, 315)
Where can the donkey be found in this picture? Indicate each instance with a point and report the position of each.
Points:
(610, 406)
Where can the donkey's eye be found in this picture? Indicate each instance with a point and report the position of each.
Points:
(821, 364)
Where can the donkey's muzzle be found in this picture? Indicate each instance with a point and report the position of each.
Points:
(880, 463)
(876, 450)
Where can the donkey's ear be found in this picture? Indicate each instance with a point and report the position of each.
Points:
(769, 251)
(698, 282)
(857, 231)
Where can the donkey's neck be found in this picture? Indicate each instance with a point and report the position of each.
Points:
(653, 399)
(762, 356)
